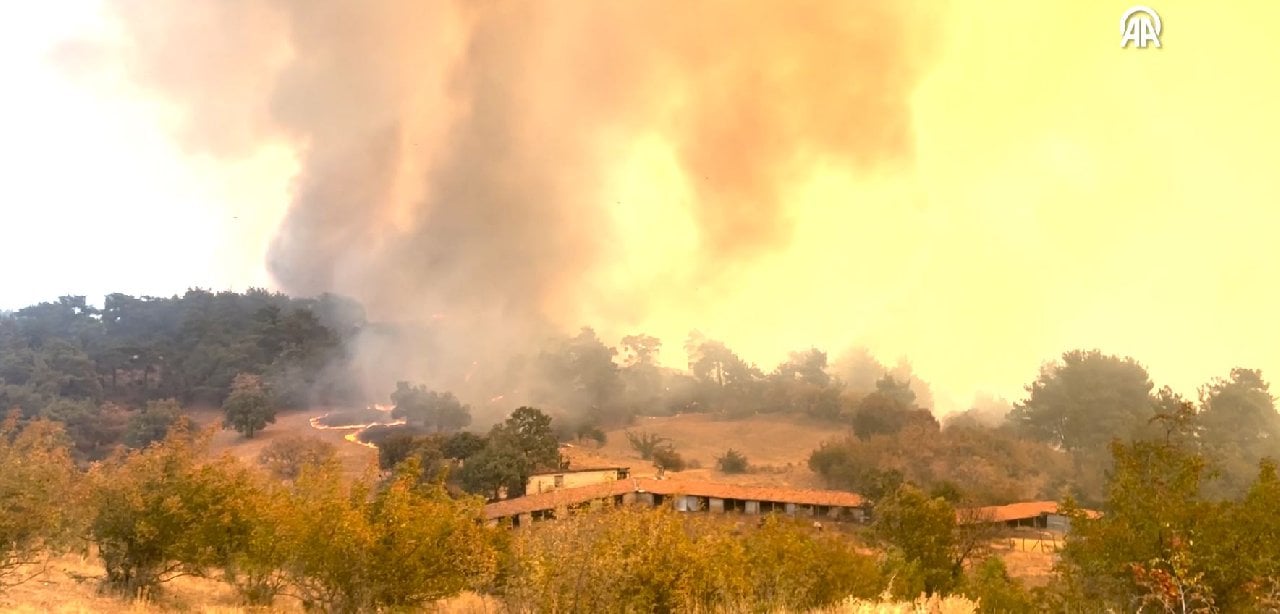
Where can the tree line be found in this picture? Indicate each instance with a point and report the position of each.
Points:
(108, 372)
(1056, 441)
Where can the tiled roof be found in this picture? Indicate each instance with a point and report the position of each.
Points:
(802, 496)
(569, 496)
(554, 498)
(1014, 511)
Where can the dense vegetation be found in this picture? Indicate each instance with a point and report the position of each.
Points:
(1187, 487)
(97, 370)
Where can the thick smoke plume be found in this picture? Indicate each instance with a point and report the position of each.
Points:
(453, 156)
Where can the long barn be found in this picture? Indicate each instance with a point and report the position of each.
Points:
(683, 495)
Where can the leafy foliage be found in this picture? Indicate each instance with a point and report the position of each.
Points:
(438, 410)
(249, 408)
(285, 458)
(733, 461)
(667, 458)
(645, 444)
(153, 423)
(660, 561)
(521, 445)
(988, 466)
(924, 531)
(38, 492)
(1086, 400)
(165, 511)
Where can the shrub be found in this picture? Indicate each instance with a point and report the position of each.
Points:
(733, 461)
(284, 458)
(989, 584)
(37, 480)
(152, 423)
(164, 511)
(646, 443)
(667, 458)
(642, 560)
(399, 548)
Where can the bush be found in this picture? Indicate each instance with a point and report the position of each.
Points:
(667, 458)
(152, 423)
(285, 458)
(400, 546)
(646, 444)
(642, 560)
(733, 461)
(37, 495)
(989, 584)
(164, 511)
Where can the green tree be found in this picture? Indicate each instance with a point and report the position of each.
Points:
(1153, 512)
(38, 497)
(441, 411)
(522, 444)
(990, 585)
(462, 445)
(924, 531)
(399, 547)
(889, 409)
(249, 408)
(165, 511)
(1085, 400)
(152, 423)
(1238, 427)
(94, 430)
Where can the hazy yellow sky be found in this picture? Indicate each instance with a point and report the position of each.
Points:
(1065, 193)
(1068, 194)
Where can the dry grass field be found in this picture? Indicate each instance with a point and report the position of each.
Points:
(777, 446)
(355, 457)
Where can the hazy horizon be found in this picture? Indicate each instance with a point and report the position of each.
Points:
(977, 187)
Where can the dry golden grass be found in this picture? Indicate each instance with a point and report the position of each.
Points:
(69, 585)
(778, 445)
(355, 458)
(923, 605)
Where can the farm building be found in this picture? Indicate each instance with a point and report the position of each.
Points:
(1030, 514)
(682, 495)
(574, 478)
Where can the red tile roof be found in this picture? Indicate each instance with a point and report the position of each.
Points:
(570, 496)
(1014, 511)
(552, 499)
(801, 496)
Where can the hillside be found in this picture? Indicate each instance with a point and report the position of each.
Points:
(778, 447)
(355, 457)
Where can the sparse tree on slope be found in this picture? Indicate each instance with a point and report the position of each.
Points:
(249, 408)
